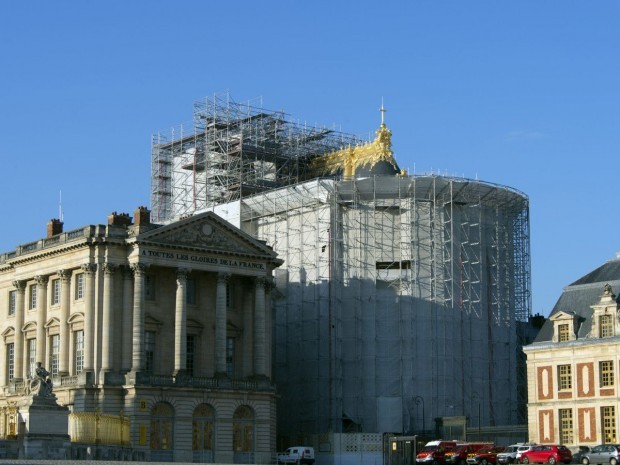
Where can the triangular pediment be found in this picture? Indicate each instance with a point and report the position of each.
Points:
(562, 315)
(52, 322)
(10, 331)
(206, 232)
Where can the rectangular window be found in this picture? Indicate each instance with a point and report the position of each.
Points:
(32, 357)
(54, 354)
(55, 291)
(33, 297)
(190, 291)
(78, 351)
(189, 360)
(79, 286)
(12, 302)
(566, 426)
(230, 357)
(149, 351)
(606, 325)
(606, 373)
(10, 361)
(228, 295)
(149, 287)
(608, 417)
(563, 333)
(402, 265)
(565, 381)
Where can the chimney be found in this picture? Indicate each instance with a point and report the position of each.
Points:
(142, 216)
(119, 219)
(54, 227)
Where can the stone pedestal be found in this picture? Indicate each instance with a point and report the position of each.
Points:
(44, 429)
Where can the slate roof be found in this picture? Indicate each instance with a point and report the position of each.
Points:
(580, 295)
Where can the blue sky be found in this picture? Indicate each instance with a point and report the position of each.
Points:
(520, 93)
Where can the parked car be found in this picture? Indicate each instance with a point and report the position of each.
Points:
(297, 455)
(434, 452)
(512, 453)
(521, 449)
(579, 452)
(603, 454)
(458, 455)
(509, 455)
(485, 455)
(546, 453)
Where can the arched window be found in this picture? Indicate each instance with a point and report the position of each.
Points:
(162, 432)
(203, 433)
(243, 434)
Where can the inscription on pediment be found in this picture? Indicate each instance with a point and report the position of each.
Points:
(203, 235)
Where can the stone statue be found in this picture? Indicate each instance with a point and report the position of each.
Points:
(41, 385)
(607, 290)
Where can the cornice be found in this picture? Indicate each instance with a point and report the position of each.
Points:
(548, 345)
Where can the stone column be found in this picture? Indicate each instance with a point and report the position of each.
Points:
(220, 324)
(180, 323)
(137, 356)
(259, 328)
(127, 320)
(107, 321)
(41, 318)
(18, 356)
(65, 302)
(89, 316)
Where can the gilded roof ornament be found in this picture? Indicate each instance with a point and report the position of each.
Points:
(347, 161)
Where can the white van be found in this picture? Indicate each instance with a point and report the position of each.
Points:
(297, 455)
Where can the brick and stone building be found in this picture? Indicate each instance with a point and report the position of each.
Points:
(161, 333)
(573, 364)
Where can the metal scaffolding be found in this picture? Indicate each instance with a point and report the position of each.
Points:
(393, 288)
(232, 151)
(384, 276)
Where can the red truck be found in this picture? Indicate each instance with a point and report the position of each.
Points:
(434, 452)
(458, 455)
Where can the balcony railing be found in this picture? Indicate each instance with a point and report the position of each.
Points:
(201, 382)
(61, 383)
(63, 238)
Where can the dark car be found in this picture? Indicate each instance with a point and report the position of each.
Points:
(579, 452)
(603, 454)
(551, 454)
(485, 455)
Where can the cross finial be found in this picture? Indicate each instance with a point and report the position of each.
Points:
(382, 110)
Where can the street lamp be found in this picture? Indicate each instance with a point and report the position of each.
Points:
(420, 400)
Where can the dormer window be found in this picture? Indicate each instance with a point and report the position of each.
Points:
(606, 326)
(563, 332)
(564, 326)
(604, 313)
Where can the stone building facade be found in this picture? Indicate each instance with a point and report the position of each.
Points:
(166, 326)
(573, 365)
